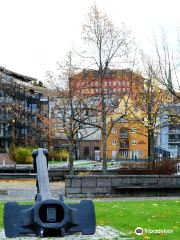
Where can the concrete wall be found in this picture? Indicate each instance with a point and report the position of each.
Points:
(134, 185)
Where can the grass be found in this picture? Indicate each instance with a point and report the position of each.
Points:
(153, 215)
(127, 216)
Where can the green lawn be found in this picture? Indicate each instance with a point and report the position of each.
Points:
(127, 216)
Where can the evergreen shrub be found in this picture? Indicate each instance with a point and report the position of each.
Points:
(58, 154)
(21, 155)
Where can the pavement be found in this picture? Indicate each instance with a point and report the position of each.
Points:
(51, 165)
(102, 233)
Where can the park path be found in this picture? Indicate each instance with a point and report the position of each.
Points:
(6, 157)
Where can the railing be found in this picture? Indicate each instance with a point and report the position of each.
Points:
(174, 141)
(175, 131)
(122, 135)
(124, 146)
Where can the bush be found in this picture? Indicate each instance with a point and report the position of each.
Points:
(57, 155)
(21, 155)
(166, 167)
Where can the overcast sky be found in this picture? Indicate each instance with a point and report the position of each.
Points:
(36, 34)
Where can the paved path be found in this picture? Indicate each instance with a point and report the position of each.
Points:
(9, 163)
(101, 233)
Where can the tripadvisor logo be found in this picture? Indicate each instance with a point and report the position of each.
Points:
(139, 231)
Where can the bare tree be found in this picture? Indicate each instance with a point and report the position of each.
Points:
(152, 101)
(68, 106)
(108, 47)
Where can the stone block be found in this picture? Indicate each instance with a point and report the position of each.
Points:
(174, 182)
(162, 182)
(68, 183)
(109, 190)
(126, 180)
(89, 182)
(134, 180)
(101, 190)
(76, 182)
(178, 181)
(147, 180)
(89, 190)
(117, 182)
(76, 195)
(73, 190)
(103, 182)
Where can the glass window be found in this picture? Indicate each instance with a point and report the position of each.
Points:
(141, 154)
(124, 153)
(134, 130)
(123, 83)
(86, 151)
(114, 142)
(134, 142)
(114, 83)
(114, 130)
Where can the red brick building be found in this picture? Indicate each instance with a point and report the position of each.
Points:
(115, 82)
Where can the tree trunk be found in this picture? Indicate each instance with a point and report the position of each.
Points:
(104, 146)
(151, 139)
(71, 166)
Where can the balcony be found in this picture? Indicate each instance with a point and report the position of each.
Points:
(174, 141)
(124, 146)
(174, 131)
(124, 133)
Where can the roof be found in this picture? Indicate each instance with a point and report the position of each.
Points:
(17, 75)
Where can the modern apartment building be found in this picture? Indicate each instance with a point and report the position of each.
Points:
(23, 107)
(168, 136)
(124, 141)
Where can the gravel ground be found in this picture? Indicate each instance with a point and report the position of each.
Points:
(25, 190)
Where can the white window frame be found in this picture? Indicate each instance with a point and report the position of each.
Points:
(134, 130)
(124, 154)
(141, 154)
(134, 142)
(114, 130)
(114, 142)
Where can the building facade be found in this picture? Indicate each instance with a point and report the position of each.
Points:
(124, 141)
(23, 106)
(168, 137)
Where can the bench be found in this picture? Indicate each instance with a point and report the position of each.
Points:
(145, 187)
